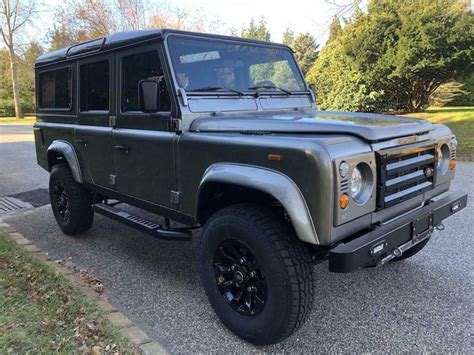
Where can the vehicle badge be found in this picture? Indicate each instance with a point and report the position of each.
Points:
(428, 172)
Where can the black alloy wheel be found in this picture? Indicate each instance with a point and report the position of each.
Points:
(239, 278)
(62, 201)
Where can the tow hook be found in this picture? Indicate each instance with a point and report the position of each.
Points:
(440, 227)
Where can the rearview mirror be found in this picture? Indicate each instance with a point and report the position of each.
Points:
(149, 95)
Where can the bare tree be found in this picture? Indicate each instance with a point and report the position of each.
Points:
(14, 15)
(173, 17)
(132, 14)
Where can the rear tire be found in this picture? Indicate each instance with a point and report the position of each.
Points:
(245, 250)
(70, 201)
(412, 251)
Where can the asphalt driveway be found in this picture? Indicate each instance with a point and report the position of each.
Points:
(422, 304)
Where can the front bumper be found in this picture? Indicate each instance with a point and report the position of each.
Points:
(381, 245)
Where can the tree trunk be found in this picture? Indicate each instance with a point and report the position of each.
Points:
(15, 84)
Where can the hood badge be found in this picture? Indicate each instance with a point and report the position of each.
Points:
(407, 140)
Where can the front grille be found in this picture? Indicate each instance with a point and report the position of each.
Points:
(404, 173)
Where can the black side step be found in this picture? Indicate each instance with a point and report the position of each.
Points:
(143, 225)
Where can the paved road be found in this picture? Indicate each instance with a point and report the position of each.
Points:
(18, 169)
(422, 304)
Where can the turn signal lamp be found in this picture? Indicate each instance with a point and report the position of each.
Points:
(452, 164)
(275, 157)
(343, 201)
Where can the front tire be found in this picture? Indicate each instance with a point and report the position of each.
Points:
(257, 275)
(70, 201)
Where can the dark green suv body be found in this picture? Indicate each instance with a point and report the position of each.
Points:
(223, 133)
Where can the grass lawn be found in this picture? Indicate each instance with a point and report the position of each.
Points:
(461, 122)
(28, 120)
(43, 312)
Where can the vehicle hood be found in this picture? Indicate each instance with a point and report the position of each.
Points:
(372, 127)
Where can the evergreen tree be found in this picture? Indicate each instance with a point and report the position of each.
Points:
(256, 30)
(334, 29)
(400, 51)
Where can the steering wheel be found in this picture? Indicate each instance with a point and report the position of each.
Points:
(264, 83)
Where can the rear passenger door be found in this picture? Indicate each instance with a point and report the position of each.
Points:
(96, 111)
(143, 142)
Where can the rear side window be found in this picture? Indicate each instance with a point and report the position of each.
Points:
(142, 66)
(94, 86)
(55, 89)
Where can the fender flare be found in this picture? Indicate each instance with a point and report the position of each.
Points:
(272, 182)
(67, 151)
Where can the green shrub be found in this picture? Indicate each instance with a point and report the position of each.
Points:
(7, 108)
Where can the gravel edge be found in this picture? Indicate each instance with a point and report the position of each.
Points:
(129, 330)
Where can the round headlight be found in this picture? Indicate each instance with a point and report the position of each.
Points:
(356, 182)
(361, 183)
(343, 169)
(443, 159)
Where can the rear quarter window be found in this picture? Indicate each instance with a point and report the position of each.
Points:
(55, 89)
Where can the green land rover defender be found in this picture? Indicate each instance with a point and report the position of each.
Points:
(221, 135)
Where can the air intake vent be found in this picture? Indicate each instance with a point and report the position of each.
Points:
(344, 185)
(453, 153)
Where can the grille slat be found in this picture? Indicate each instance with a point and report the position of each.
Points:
(409, 163)
(405, 179)
(404, 173)
(408, 191)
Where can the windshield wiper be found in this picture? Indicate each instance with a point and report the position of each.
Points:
(216, 88)
(270, 87)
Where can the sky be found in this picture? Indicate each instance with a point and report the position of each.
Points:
(313, 16)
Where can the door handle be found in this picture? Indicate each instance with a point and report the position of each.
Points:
(82, 141)
(122, 147)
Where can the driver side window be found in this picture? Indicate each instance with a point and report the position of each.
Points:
(142, 66)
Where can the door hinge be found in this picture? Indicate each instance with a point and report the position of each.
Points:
(112, 121)
(176, 124)
(175, 197)
(112, 179)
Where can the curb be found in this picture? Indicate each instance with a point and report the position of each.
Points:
(126, 327)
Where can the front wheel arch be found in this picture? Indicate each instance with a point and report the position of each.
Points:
(262, 182)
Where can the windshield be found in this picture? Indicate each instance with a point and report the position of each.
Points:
(210, 65)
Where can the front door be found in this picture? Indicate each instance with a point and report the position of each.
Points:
(93, 135)
(142, 142)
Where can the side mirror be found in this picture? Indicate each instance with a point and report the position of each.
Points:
(149, 95)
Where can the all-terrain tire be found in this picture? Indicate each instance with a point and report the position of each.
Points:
(70, 201)
(285, 264)
(412, 251)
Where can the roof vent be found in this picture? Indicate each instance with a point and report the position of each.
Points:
(87, 47)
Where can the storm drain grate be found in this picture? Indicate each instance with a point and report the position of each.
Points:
(36, 197)
(11, 204)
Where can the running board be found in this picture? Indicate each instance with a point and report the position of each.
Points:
(143, 225)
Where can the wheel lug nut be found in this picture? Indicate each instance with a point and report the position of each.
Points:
(249, 289)
(232, 267)
(242, 260)
(252, 274)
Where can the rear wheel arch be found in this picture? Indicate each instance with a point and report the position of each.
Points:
(63, 152)
(239, 183)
